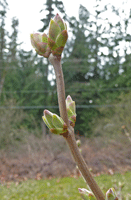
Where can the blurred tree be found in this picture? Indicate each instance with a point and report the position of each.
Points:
(3, 4)
(117, 59)
(12, 59)
(50, 10)
(3, 34)
(13, 41)
(82, 66)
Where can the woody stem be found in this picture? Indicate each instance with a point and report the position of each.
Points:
(70, 136)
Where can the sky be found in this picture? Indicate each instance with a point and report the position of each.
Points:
(29, 16)
(28, 13)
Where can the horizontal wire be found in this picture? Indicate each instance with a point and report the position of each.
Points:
(29, 67)
(78, 106)
(54, 91)
(73, 60)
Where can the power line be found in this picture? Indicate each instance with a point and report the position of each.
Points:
(77, 106)
(27, 107)
(54, 91)
(73, 60)
(28, 91)
(38, 67)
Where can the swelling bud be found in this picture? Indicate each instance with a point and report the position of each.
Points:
(54, 42)
(54, 122)
(40, 43)
(57, 35)
(86, 194)
(71, 110)
(111, 194)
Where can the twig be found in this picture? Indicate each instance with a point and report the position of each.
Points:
(70, 136)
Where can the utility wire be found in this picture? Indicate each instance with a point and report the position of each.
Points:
(73, 60)
(54, 91)
(77, 106)
(37, 67)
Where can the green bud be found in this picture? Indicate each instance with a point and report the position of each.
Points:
(54, 30)
(40, 43)
(71, 104)
(47, 118)
(111, 194)
(57, 35)
(53, 43)
(54, 122)
(86, 194)
(71, 110)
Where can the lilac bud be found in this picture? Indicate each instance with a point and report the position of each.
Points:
(71, 110)
(54, 122)
(53, 43)
(111, 194)
(40, 43)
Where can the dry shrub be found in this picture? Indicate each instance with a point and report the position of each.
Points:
(13, 125)
(105, 155)
(49, 156)
(116, 120)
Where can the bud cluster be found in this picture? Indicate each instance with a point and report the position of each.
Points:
(54, 42)
(56, 123)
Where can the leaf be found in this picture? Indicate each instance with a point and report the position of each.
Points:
(44, 38)
(54, 30)
(62, 38)
(57, 121)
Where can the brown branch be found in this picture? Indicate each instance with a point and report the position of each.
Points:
(60, 87)
(70, 136)
(82, 165)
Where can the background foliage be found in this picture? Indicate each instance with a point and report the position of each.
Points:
(96, 66)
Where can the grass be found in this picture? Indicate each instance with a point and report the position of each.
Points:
(61, 188)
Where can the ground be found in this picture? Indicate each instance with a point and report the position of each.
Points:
(49, 157)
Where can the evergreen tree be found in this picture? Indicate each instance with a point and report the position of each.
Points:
(77, 65)
(3, 4)
(84, 69)
(49, 8)
(13, 40)
(12, 61)
(3, 34)
(118, 51)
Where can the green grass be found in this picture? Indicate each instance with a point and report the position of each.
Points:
(60, 189)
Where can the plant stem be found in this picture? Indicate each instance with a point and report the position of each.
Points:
(82, 165)
(70, 136)
(60, 87)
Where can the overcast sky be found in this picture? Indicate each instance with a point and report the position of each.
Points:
(28, 13)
